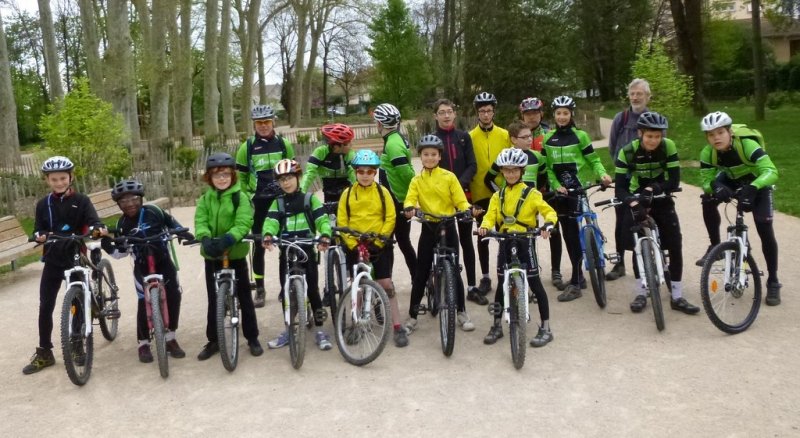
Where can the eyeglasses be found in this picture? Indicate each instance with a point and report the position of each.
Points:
(445, 113)
(367, 171)
(487, 111)
(130, 200)
(222, 175)
(287, 177)
(523, 137)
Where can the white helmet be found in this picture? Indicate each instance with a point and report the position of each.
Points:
(512, 158)
(484, 98)
(715, 120)
(387, 115)
(563, 102)
(261, 112)
(57, 164)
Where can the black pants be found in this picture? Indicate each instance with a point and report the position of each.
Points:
(483, 245)
(670, 238)
(556, 248)
(402, 235)
(261, 207)
(52, 277)
(526, 256)
(566, 208)
(248, 310)
(620, 231)
(312, 279)
(428, 238)
(465, 238)
(173, 291)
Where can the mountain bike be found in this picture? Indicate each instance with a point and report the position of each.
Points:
(730, 282)
(335, 267)
(155, 296)
(91, 293)
(363, 321)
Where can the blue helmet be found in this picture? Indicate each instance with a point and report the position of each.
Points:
(366, 157)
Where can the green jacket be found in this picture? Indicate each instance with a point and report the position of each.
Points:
(294, 219)
(329, 167)
(757, 169)
(397, 171)
(255, 174)
(569, 150)
(215, 216)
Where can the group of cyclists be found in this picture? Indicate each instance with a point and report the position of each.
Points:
(500, 177)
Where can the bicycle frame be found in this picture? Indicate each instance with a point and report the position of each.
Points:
(226, 274)
(334, 247)
(738, 233)
(294, 256)
(649, 232)
(84, 274)
(589, 219)
(511, 268)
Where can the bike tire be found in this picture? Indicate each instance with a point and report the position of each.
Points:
(227, 325)
(334, 282)
(297, 323)
(730, 310)
(159, 331)
(73, 339)
(518, 321)
(107, 291)
(447, 307)
(653, 282)
(362, 341)
(593, 264)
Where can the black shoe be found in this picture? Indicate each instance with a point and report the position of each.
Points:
(175, 350)
(495, 333)
(485, 286)
(702, 260)
(683, 306)
(145, 355)
(255, 347)
(557, 280)
(616, 272)
(209, 350)
(260, 300)
(42, 358)
(638, 304)
(570, 293)
(773, 293)
(475, 296)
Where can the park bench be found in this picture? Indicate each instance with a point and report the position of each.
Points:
(107, 207)
(13, 241)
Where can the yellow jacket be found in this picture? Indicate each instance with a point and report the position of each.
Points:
(366, 214)
(487, 146)
(436, 191)
(533, 205)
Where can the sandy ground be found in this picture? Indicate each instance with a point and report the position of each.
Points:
(608, 372)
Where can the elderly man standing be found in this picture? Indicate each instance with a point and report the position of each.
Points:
(624, 131)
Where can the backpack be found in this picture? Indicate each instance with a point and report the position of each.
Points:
(521, 201)
(740, 132)
(306, 211)
(383, 201)
(628, 151)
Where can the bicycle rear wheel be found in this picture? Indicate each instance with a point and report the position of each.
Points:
(594, 266)
(653, 283)
(109, 307)
(77, 348)
(159, 331)
(446, 291)
(228, 325)
(335, 281)
(730, 307)
(297, 323)
(362, 340)
(518, 321)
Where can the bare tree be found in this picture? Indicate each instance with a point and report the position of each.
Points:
(9, 136)
(210, 90)
(758, 61)
(50, 50)
(248, 32)
(91, 42)
(302, 10)
(181, 42)
(320, 14)
(348, 63)
(283, 26)
(153, 21)
(226, 94)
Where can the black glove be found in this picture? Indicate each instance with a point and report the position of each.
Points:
(227, 241)
(107, 245)
(655, 188)
(212, 247)
(721, 191)
(185, 236)
(747, 197)
(639, 212)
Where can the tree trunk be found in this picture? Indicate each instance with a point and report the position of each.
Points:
(758, 62)
(91, 43)
(210, 91)
(182, 70)
(688, 19)
(226, 95)
(301, 8)
(9, 136)
(249, 52)
(50, 51)
(154, 30)
(262, 75)
(121, 84)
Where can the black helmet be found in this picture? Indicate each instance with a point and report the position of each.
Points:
(430, 141)
(220, 159)
(652, 120)
(125, 187)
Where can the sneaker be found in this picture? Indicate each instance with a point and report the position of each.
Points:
(542, 338)
(464, 322)
(476, 296)
(616, 272)
(323, 341)
(260, 299)
(400, 337)
(410, 325)
(485, 286)
(773, 293)
(281, 341)
(638, 304)
(571, 292)
(702, 260)
(495, 333)
(255, 347)
(557, 280)
(175, 350)
(145, 355)
(684, 306)
(42, 358)
(208, 350)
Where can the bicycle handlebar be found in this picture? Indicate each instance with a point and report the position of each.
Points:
(134, 240)
(613, 202)
(363, 236)
(521, 235)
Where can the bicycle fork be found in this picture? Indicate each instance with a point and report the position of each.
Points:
(87, 296)
(657, 256)
(227, 274)
(361, 270)
(155, 281)
(741, 275)
(507, 283)
(287, 315)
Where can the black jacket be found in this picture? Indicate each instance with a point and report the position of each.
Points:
(458, 156)
(70, 213)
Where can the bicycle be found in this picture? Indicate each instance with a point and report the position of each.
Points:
(335, 267)
(651, 259)
(515, 308)
(360, 325)
(440, 288)
(155, 296)
(728, 278)
(91, 293)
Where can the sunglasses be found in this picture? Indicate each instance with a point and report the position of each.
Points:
(367, 171)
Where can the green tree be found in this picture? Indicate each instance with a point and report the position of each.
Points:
(89, 132)
(402, 72)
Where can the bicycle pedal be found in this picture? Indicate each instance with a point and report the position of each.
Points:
(422, 309)
(234, 322)
(613, 257)
(321, 315)
(495, 309)
(111, 314)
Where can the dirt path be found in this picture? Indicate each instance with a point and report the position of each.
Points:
(608, 372)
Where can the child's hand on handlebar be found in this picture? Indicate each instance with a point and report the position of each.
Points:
(482, 231)
(545, 230)
(324, 244)
(267, 242)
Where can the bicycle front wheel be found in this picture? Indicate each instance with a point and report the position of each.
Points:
(228, 325)
(594, 265)
(446, 291)
(653, 283)
(335, 281)
(77, 348)
(518, 320)
(109, 307)
(362, 338)
(731, 302)
(297, 322)
(159, 330)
